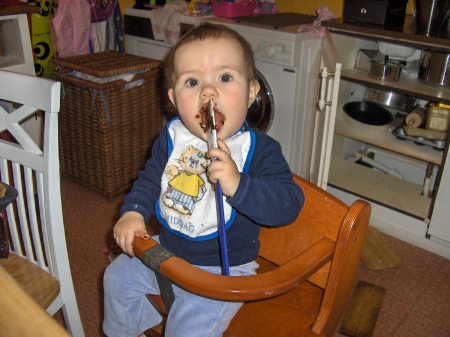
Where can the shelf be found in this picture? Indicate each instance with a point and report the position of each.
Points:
(388, 141)
(411, 87)
(379, 187)
(20, 8)
(376, 32)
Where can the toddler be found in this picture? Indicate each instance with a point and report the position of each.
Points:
(210, 62)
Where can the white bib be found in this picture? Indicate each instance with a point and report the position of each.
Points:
(187, 204)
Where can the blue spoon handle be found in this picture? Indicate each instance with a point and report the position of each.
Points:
(222, 231)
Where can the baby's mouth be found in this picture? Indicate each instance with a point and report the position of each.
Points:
(206, 121)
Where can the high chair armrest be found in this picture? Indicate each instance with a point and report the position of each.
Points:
(242, 288)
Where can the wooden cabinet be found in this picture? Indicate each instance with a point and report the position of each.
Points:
(416, 194)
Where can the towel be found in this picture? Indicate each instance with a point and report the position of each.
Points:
(166, 21)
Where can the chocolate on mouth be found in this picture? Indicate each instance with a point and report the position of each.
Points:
(206, 121)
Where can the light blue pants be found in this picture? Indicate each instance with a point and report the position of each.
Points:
(128, 312)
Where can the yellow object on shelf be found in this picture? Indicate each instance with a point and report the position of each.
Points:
(438, 117)
(442, 105)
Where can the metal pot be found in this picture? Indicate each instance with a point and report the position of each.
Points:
(434, 68)
(385, 70)
(390, 99)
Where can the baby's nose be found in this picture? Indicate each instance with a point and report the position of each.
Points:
(208, 92)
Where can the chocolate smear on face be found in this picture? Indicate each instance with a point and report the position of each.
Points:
(205, 118)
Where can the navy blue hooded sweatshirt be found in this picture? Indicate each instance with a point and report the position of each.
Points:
(266, 196)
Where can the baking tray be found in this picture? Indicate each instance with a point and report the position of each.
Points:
(438, 145)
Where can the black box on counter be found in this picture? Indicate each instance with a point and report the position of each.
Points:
(388, 13)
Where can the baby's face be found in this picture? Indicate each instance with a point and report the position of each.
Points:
(213, 68)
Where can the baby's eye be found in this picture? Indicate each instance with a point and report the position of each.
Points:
(191, 82)
(200, 154)
(225, 78)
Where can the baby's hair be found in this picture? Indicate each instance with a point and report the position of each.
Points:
(203, 32)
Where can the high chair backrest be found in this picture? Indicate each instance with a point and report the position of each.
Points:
(35, 219)
(323, 216)
(320, 217)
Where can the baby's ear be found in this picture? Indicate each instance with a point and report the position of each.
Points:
(253, 91)
(171, 95)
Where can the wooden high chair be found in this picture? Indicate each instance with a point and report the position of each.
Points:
(306, 275)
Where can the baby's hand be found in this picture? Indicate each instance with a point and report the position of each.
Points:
(223, 169)
(129, 225)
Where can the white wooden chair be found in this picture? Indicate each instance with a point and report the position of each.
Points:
(38, 260)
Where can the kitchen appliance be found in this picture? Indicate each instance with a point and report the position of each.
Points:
(431, 16)
(288, 63)
(365, 56)
(388, 13)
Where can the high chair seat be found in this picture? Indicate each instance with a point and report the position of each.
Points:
(291, 314)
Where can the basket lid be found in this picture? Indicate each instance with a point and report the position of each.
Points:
(108, 63)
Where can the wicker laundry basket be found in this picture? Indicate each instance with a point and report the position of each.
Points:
(110, 114)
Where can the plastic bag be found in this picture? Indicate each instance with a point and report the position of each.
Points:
(71, 25)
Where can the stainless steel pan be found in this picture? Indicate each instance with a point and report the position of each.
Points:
(390, 99)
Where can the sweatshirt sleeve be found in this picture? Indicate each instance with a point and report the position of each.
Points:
(145, 191)
(267, 194)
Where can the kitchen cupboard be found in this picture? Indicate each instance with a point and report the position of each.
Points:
(414, 179)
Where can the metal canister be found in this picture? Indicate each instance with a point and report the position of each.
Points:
(435, 68)
(437, 117)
